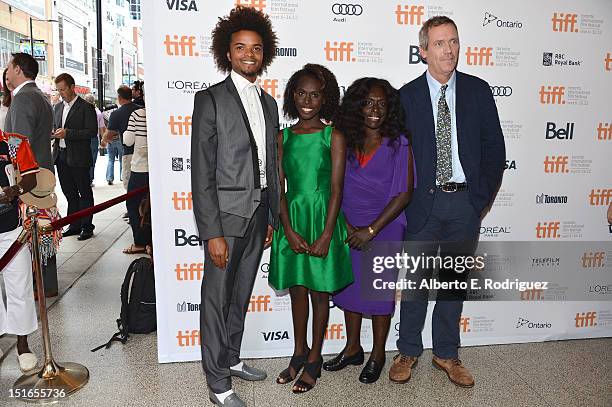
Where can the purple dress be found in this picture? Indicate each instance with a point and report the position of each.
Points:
(367, 191)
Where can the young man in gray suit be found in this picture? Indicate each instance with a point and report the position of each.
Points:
(30, 115)
(234, 181)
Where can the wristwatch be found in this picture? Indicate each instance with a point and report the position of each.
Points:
(20, 190)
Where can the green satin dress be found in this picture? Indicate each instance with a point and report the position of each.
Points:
(307, 166)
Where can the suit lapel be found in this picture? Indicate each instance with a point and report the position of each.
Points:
(459, 108)
(429, 138)
(75, 107)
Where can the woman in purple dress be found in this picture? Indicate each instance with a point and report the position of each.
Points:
(378, 185)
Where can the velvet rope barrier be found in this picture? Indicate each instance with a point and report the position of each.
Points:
(60, 223)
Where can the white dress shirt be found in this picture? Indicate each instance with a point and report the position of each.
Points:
(67, 106)
(451, 94)
(18, 88)
(249, 95)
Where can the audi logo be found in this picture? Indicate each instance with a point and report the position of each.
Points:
(347, 9)
(501, 90)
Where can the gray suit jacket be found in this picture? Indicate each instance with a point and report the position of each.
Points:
(224, 168)
(30, 115)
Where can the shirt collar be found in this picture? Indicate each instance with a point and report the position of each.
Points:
(242, 83)
(435, 86)
(69, 104)
(18, 88)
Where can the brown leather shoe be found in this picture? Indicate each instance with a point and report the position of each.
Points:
(456, 372)
(401, 370)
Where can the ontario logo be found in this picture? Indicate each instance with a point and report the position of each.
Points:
(492, 20)
(525, 323)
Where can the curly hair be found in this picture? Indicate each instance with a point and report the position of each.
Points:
(330, 88)
(349, 118)
(242, 18)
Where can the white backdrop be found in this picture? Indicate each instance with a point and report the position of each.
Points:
(549, 66)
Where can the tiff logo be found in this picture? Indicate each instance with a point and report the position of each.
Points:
(552, 95)
(409, 14)
(556, 164)
(586, 319)
(182, 202)
(256, 4)
(593, 260)
(179, 125)
(188, 338)
(564, 22)
(183, 46)
(341, 51)
(600, 197)
(479, 56)
(259, 303)
(189, 272)
(604, 131)
(608, 62)
(334, 331)
(269, 86)
(464, 324)
(548, 230)
(533, 294)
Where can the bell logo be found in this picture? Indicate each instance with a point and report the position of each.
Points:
(552, 95)
(464, 324)
(593, 260)
(334, 331)
(562, 133)
(600, 197)
(564, 22)
(188, 338)
(586, 319)
(260, 5)
(548, 230)
(534, 294)
(269, 86)
(414, 55)
(409, 14)
(189, 272)
(339, 51)
(479, 56)
(556, 164)
(179, 125)
(182, 46)
(182, 201)
(604, 131)
(608, 62)
(260, 303)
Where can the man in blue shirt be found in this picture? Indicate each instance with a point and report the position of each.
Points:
(117, 124)
(459, 156)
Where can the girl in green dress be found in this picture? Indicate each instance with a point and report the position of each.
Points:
(309, 256)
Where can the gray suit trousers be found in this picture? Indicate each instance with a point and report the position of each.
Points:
(225, 299)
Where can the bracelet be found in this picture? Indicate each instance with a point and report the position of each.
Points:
(371, 231)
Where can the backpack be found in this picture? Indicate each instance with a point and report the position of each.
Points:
(137, 303)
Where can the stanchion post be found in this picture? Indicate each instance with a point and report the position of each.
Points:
(54, 381)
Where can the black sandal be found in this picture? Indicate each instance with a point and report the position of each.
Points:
(314, 370)
(297, 362)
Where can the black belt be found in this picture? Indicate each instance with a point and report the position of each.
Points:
(453, 186)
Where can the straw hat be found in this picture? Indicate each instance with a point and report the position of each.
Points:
(43, 194)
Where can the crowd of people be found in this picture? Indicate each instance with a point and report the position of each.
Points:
(63, 134)
(351, 178)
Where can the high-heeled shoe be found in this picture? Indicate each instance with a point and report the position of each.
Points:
(342, 360)
(297, 362)
(314, 370)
